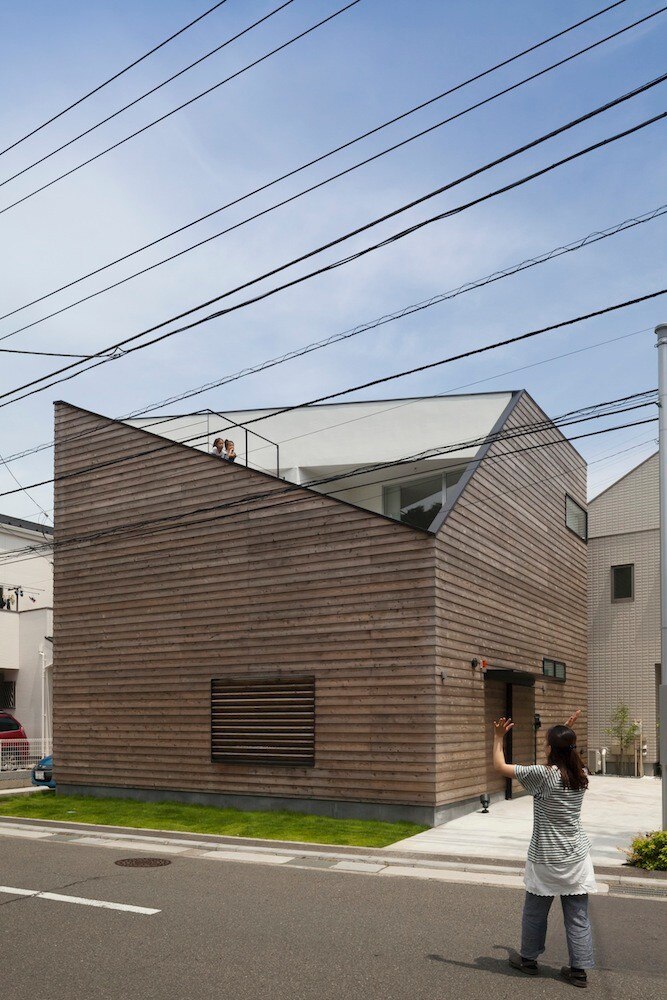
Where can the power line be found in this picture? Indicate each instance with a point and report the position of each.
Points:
(325, 156)
(402, 404)
(44, 446)
(391, 317)
(48, 354)
(578, 416)
(185, 104)
(588, 412)
(462, 356)
(407, 310)
(120, 345)
(281, 203)
(434, 364)
(147, 93)
(508, 454)
(105, 83)
(596, 461)
(447, 392)
(457, 357)
(23, 489)
(167, 520)
(477, 461)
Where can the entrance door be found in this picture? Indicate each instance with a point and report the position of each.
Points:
(515, 701)
(525, 748)
(495, 705)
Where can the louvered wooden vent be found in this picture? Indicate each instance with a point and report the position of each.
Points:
(267, 721)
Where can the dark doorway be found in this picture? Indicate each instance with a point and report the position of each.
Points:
(509, 711)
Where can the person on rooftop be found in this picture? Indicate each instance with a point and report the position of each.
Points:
(219, 448)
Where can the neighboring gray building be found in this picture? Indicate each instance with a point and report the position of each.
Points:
(624, 606)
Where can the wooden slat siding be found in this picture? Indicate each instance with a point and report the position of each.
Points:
(510, 588)
(310, 585)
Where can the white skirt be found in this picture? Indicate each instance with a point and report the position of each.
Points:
(563, 878)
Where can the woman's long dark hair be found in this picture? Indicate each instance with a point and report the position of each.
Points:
(563, 753)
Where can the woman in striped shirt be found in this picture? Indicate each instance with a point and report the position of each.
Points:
(559, 861)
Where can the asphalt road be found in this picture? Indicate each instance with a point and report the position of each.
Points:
(244, 932)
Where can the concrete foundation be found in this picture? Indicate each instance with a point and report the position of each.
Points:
(383, 811)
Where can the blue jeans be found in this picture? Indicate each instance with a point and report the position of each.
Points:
(577, 928)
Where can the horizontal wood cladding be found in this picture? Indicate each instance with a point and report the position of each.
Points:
(511, 589)
(273, 584)
(256, 582)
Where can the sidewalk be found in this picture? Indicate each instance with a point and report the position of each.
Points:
(614, 811)
(382, 862)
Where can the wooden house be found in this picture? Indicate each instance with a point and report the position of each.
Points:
(333, 642)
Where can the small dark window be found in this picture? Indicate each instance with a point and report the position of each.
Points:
(623, 582)
(268, 721)
(576, 518)
(554, 668)
(7, 694)
(8, 725)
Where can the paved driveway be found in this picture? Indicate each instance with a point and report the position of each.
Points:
(614, 810)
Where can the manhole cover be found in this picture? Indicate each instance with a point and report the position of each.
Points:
(143, 862)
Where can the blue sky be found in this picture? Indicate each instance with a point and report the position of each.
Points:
(375, 61)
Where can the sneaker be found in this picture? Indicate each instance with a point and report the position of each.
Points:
(527, 965)
(575, 976)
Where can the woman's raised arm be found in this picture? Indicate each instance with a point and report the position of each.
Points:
(500, 730)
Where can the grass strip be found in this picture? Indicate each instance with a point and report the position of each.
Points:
(207, 819)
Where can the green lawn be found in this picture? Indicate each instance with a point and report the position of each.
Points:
(206, 819)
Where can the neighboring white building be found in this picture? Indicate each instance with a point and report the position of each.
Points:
(624, 606)
(26, 627)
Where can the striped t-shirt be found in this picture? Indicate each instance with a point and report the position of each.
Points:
(557, 831)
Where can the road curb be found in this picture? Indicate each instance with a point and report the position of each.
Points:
(369, 861)
(375, 854)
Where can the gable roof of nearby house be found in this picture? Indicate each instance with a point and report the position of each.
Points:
(18, 522)
(626, 475)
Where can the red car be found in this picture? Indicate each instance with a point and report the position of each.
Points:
(14, 746)
(11, 728)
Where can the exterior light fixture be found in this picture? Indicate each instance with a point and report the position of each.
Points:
(485, 799)
(538, 721)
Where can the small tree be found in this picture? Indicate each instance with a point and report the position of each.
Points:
(622, 732)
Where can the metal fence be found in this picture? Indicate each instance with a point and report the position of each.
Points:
(22, 755)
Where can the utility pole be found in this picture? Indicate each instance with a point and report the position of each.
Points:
(661, 334)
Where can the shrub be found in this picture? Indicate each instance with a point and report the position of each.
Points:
(649, 851)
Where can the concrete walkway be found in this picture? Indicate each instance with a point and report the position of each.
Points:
(360, 861)
(614, 811)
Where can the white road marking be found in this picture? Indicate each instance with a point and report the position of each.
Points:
(105, 904)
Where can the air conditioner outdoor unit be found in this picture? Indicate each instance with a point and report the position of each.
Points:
(594, 761)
